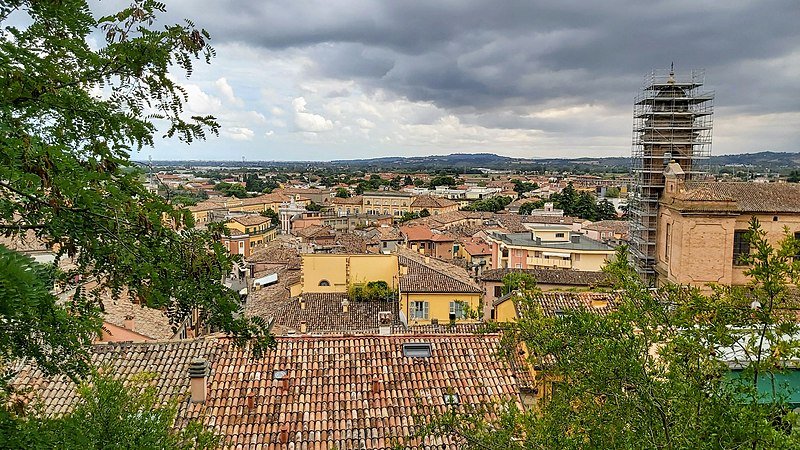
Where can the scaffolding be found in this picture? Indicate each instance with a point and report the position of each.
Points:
(672, 119)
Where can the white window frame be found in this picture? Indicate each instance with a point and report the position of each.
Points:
(414, 310)
(457, 308)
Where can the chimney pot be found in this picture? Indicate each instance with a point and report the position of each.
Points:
(302, 303)
(285, 383)
(129, 322)
(345, 305)
(198, 377)
(303, 326)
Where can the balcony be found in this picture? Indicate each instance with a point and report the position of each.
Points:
(550, 262)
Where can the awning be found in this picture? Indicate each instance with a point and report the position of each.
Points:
(557, 255)
(267, 280)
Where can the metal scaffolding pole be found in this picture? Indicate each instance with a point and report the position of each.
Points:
(672, 121)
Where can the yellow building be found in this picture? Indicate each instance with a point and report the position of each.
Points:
(248, 232)
(328, 273)
(432, 291)
(387, 203)
(434, 205)
(702, 226)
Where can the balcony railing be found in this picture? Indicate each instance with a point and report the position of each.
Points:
(550, 262)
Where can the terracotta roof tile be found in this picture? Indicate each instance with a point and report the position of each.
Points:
(422, 277)
(742, 196)
(323, 313)
(552, 276)
(338, 392)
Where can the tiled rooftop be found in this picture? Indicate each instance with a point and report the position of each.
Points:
(337, 392)
(324, 313)
(422, 276)
(428, 201)
(552, 276)
(743, 197)
(554, 303)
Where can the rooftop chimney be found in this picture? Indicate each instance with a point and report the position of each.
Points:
(385, 322)
(302, 303)
(129, 323)
(251, 400)
(198, 377)
(345, 305)
(284, 434)
(303, 326)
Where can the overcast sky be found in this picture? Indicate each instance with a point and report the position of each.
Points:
(320, 80)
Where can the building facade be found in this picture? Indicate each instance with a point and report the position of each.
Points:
(702, 226)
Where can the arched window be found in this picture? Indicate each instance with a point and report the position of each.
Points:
(324, 283)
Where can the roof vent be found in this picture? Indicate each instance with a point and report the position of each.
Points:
(198, 375)
(417, 350)
(279, 374)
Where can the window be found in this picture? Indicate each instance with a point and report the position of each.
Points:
(559, 235)
(741, 247)
(457, 310)
(419, 310)
(576, 257)
(417, 350)
(667, 242)
(324, 283)
(385, 244)
(241, 247)
(498, 291)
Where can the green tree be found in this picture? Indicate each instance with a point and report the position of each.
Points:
(273, 216)
(518, 280)
(314, 206)
(110, 414)
(794, 176)
(66, 175)
(342, 193)
(424, 212)
(528, 207)
(231, 189)
(521, 187)
(492, 204)
(654, 374)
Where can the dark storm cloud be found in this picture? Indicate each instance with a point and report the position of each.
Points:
(474, 56)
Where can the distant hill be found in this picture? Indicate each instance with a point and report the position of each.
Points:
(463, 162)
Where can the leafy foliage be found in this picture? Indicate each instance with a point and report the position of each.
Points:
(583, 205)
(109, 415)
(518, 280)
(521, 187)
(528, 207)
(70, 116)
(654, 374)
(492, 204)
(231, 189)
(342, 193)
(371, 291)
(35, 324)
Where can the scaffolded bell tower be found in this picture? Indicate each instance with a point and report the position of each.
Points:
(672, 120)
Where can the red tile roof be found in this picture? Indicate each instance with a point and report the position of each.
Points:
(337, 392)
(421, 277)
(740, 197)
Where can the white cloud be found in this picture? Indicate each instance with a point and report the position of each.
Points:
(227, 92)
(276, 111)
(364, 123)
(239, 133)
(269, 133)
(306, 121)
